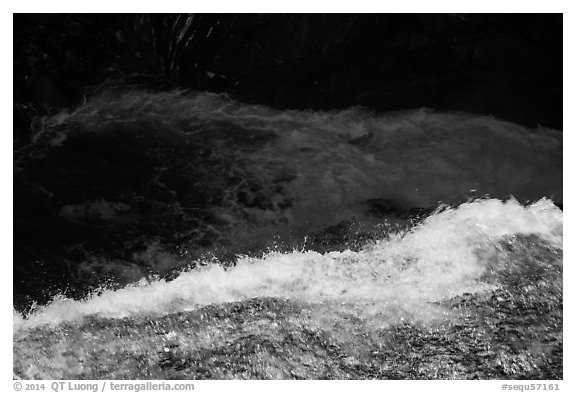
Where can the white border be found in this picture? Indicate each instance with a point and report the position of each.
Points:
(305, 6)
(356, 6)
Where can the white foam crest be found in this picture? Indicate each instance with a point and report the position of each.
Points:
(444, 256)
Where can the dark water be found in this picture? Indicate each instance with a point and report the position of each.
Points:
(473, 289)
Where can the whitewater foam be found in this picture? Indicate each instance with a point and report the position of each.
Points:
(444, 256)
(319, 168)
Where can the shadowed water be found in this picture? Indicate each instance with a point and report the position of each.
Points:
(469, 291)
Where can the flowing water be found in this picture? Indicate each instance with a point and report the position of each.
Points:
(471, 290)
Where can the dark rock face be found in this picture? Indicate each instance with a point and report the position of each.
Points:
(506, 65)
(509, 66)
(60, 58)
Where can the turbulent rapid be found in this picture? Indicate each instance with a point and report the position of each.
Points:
(445, 256)
(469, 287)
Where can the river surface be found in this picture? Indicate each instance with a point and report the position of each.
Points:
(472, 288)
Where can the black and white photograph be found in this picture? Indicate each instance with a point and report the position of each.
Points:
(287, 196)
